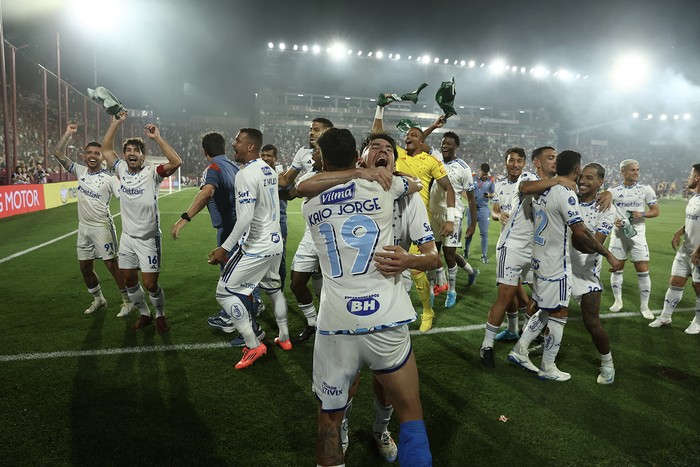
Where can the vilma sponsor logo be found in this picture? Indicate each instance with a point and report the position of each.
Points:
(338, 195)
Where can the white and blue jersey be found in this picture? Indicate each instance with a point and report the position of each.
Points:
(348, 224)
(506, 194)
(139, 199)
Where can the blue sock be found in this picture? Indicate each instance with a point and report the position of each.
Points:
(414, 449)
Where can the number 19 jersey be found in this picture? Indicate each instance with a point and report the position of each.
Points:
(348, 224)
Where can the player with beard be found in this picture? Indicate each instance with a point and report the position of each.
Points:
(97, 236)
(140, 245)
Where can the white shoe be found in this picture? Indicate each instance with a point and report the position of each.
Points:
(660, 321)
(552, 373)
(694, 327)
(386, 446)
(607, 375)
(617, 306)
(522, 361)
(126, 309)
(96, 305)
(646, 312)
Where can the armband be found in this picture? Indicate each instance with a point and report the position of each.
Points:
(451, 214)
(379, 113)
(186, 217)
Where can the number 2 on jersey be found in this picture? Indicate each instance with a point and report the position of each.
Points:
(360, 233)
(541, 221)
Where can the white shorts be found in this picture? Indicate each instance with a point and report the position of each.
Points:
(338, 358)
(636, 247)
(138, 253)
(682, 266)
(551, 294)
(96, 242)
(305, 258)
(587, 283)
(514, 265)
(454, 240)
(243, 273)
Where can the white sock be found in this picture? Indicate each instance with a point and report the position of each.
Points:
(468, 267)
(279, 306)
(382, 415)
(431, 278)
(512, 321)
(671, 299)
(552, 341)
(451, 279)
(616, 285)
(158, 300)
(606, 360)
(440, 276)
(309, 311)
(234, 308)
(534, 326)
(489, 335)
(125, 296)
(346, 417)
(96, 292)
(644, 282)
(138, 298)
(697, 310)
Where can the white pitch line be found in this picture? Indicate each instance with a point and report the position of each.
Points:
(223, 345)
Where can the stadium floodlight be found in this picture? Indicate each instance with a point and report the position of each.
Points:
(565, 75)
(523, 69)
(349, 51)
(540, 71)
(304, 48)
(456, 62)
(398, 57)
(379, 54)
(578, 75)
(296, 47)
(270, 45)
(347, 98)
(630, 71)
(410, 57)
(507, 67)
(391, 55)
(369, 54)
(426, 59)
(585, 77)
(663, 117)
(686, 116)
(326, 97)
(447, 60)
(436, 60)
(635, 115)
(337, 51)
(650, 116)
(482, 108)
(463, 62)
(482, 65)
(676, 117)
(498, 66)
(461, 106)
(472, 63)
(300, 95)
(282, 46)
(514, 69)
(359, 53)
(522, 111)
(316, 49)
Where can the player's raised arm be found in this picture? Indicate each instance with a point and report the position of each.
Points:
(108, 142)
(438, 123)
(60, 151)
(174, 161)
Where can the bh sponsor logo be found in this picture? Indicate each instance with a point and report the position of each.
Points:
(363, 306)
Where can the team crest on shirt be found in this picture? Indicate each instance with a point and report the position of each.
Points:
(363, 306)
(339, 195)
(572, 200)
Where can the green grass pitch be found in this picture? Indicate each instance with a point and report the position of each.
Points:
(186, 405)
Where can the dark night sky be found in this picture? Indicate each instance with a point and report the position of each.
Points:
(219, 47)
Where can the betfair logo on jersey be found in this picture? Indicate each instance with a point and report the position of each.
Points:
(338, 195)
(363, 306)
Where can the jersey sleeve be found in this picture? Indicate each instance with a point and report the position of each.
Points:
(298, 160)
(606, 222)
(468, 179)
(568, 207)
(399, 187)
(650, 196)
(437, 169)
(212, 175)
(246, 196)
(417, 218)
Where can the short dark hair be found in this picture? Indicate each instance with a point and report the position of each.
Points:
(380, 135)
(323, 121)
(270, 147)
(93, 143)
(254, 134)
(696, 167)
(422, 135)
(537, 152)
(138, 142)
(567, 161)
(338, 147)
(600, 170)
(453, 135)
(214, 144)
(519, 151)
(485, 167)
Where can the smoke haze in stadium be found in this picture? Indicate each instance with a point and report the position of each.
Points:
(210, 56)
